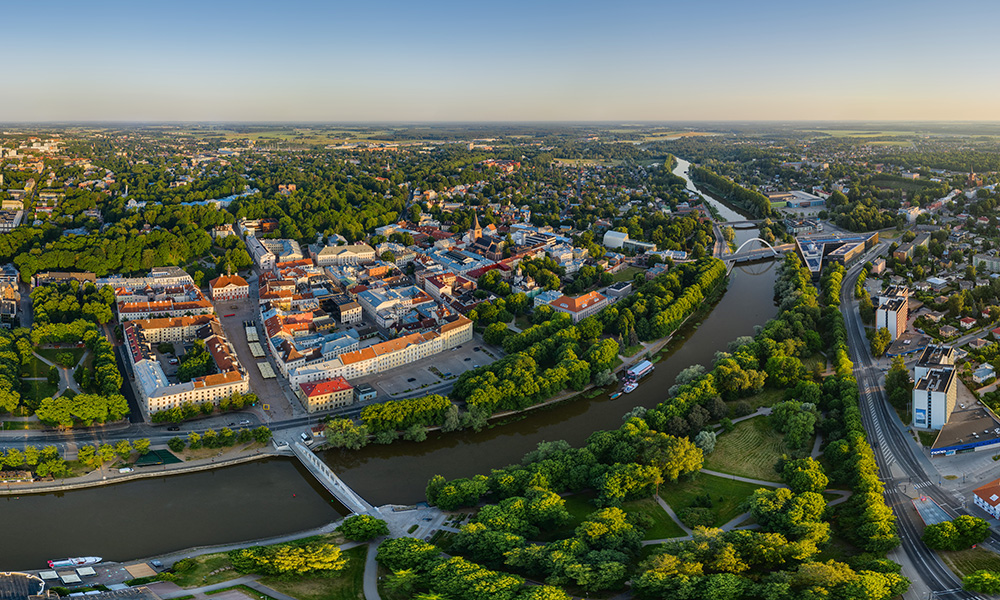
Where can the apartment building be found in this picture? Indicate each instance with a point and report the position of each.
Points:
(936, 389)
(893, 310)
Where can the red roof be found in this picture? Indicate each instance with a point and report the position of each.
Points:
(324, 387)
(226, 280)
(967, 320)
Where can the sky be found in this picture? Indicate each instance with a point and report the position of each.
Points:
(444, 60)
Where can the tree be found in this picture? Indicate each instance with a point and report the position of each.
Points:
(343, 433)
(141, 446)
(898, 385)
(804, 475)
(361, 528)
(176, 444)
(706, 441)
(880, 341)
(53, 376)
(986, 582)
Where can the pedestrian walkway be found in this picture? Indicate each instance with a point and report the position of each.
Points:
(666, 507)
(328, 479)
(371, 571)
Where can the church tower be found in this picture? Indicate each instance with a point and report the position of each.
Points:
(477, 231)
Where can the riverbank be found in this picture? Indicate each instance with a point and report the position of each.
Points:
(99, 477)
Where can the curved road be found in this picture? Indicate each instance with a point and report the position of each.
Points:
(894, 453)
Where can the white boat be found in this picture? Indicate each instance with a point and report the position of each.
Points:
(80, 561)
(630, 387)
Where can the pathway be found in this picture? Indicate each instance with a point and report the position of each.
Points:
(663, 504)
(329, 480)
(66, 380)
(371, 571)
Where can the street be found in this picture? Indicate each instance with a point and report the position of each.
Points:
(900, 462)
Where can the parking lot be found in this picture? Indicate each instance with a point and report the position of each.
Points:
(421, 374)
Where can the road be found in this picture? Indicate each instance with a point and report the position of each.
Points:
(900, 463)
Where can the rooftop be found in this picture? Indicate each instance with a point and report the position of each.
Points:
(989, 492)
(937, 379)
(324, 387)
(971, 425)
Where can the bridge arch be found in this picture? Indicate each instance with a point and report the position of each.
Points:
(756, 239)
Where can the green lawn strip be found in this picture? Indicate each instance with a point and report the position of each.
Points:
(38, 389)
(52, 353)
(34, 368)
(964, 562)
(243, 588)
(632, 350)
(663, 526)
(727, 495)
(204, 571)
(347, 584)
(839, 549)
(751, 450)
(768, 397)
(627, 274)
(927, 437)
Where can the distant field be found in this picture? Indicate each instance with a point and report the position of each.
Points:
(842, 133)
(586, 162)
(627, 274)
(750, 450)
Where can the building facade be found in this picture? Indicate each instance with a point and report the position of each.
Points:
(229, 287)
(326, 394)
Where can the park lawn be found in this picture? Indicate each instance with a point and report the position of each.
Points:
(522, 322)
(766, 397)
(35, 368)
(964, 562)
(38, 389)
(52, 353)
(632, 350)
(839, 549)
(727, 495)
(204, 565)
(663, 526)
(347, 584)
(579, 507)
(627, 274)
(751, 450)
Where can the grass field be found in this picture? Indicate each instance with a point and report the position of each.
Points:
(750, 450)
(38, 389)
(927, 438)
(627, 274)
(964, 562)
(767, 397)
(663, 526)
(35, 368)
(727, 495)
(586, 162)
(346, 585)
(52, 353)
(205, 564)
(580, 506)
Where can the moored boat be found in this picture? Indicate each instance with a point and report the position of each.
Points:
(79, 561)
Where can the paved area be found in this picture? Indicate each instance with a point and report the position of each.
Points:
(371, 572)
(456, 361)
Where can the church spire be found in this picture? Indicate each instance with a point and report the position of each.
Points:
(477, 231)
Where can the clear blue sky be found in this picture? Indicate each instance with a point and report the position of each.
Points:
(443, 60)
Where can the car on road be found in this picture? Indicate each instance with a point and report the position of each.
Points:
(173, 428)
(245, 422)
(476, 349)
(125, 470)
(475, 366)
(411, 380)
(173, 361)
(468, 359)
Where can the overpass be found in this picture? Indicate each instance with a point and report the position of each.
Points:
(333, 484)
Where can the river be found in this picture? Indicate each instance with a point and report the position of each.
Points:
(274, 497)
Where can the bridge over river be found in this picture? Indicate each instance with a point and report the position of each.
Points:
(329, 480)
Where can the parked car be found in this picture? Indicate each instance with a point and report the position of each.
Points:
(125, 470)
(173, 428)
(173, 361)
(411, 380)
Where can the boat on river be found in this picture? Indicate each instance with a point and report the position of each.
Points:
(615, 395)
(639, 371)
(630, 387)
(80, 561)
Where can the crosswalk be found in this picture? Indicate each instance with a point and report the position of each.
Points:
(922, 484)
(886, 451)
